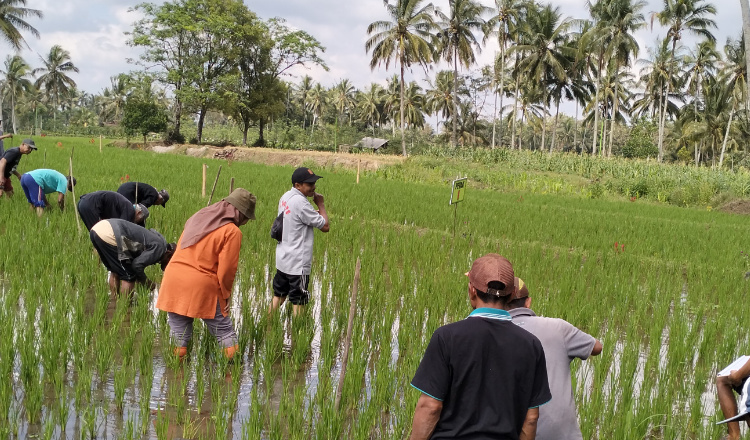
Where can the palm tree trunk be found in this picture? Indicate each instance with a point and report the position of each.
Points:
(544, 132)
(665, 105)
(13, 112)
(494, 111)
(614, 115)
(575, 129)
(554, 128)
(501, 91)
(726, 135)
(515, 110)
(745, 6)
(596, 113)
(401, 105)
(455, 97)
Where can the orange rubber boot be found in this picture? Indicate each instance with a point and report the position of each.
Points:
(230, 351)
(181, 352)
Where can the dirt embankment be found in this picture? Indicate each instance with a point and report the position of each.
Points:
(271, 156)
(736, 207)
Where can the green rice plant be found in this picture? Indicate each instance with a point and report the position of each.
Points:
(162, 424)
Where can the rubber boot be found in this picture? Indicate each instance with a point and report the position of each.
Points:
(229, 351)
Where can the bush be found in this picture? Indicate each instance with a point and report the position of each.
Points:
(640, 143)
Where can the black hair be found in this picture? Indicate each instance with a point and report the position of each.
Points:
(491, 297)
(517, 303)
(71, 182)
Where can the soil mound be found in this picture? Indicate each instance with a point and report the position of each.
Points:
(736, 207)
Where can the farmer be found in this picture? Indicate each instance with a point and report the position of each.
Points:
(126, 249)
(736, 381)
(9, 162)
(482, 377)
(294, 251)
(198, 281)
(3, 136)
(562, 342)
(144, 194)
(38, 183)
(102, 205)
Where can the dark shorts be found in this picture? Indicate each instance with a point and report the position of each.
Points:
(293, 286)
(8, 186)
(110, 258)
(738, 388)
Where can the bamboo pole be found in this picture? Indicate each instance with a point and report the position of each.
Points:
(100, 143)
(359, 163)
(348, 340)
(231, 185)
(214, 187)
(73, 191)
(203, 190)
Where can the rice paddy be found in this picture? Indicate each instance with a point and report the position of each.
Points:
(661, 286)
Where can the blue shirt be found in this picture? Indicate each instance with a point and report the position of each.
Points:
(50, 180)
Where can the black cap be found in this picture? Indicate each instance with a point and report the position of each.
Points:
(304, 175)
(30, 143)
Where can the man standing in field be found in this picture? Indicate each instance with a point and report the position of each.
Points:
(102, 205)
(482, 377)
(126, 249)
(562, 342)
(726, 386)
(3, 136)
(294, 251)
(144, 194)
(38, 183)
(9, 162)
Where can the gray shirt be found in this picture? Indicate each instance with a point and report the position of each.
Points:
(294, 252)
(138, 246)
(562, 342)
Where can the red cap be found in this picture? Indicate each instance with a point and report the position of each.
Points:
(489, 268)
(520, 291)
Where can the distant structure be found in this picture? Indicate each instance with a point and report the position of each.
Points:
(370, 143)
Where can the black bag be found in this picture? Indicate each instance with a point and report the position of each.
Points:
(277, 228)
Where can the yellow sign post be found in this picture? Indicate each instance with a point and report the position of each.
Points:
(458, 192)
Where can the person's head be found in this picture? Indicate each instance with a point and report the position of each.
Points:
(490, 282)
(27, 145)
(141, 214)
(303, 179)
(520, 297)
(71, 182)
(163, 198)
(167, 255)
(244, 201)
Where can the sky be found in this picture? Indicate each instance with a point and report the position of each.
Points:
(94, 32)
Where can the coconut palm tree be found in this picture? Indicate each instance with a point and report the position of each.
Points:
(16, 82)
(700, 67)
(440, 95)
(302, 90)
(114, 97)
(342, 97)
(33, 101)
(12, 22)
(370, 103)
(679, 16)
(456, 42)
(316, 103)
(54, 75)
(404, 39)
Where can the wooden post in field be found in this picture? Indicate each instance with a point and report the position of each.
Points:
(359, 162)
(203, 190)
(214, 187)
(100, 143)
(348, 340)
(231, 185)
(73, 190)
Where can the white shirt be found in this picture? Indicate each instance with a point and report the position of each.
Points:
(294, 252)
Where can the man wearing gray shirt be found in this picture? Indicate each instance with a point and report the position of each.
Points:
(294, 251)
(562, 343)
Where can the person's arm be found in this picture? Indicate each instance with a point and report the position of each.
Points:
(598, 347)
(736, 376)
(229, 258)
(6, 136)
(426, 416)
(320, 202)
(60, 201)
(528, 430)
(3, 163)
(17, 174)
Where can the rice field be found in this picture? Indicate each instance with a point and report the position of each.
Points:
(662, 287)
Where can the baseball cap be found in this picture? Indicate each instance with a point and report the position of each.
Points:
(142, 209)
(520, 289)
(30, 143)
(304, 175)
(492, 268)
(244, 201)
(165, 196)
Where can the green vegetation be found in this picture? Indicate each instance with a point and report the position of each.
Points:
(658, 284)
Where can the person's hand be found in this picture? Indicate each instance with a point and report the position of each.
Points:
(150, 285)
(226, 309)
(318, 199)
(735, 378)
(2, 182)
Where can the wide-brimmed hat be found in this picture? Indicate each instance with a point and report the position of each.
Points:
(244, 201)
(490, 269)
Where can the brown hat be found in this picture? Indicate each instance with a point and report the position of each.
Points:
(489, 268)
(241, 199)
(520, 291)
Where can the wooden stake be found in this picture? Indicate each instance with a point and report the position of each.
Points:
(73, 190)
(214, 188)
(100, 143)
(358, 165)
(348, 340)
(203, 191)
(231, 185)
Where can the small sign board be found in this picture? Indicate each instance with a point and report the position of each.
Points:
(458, 191)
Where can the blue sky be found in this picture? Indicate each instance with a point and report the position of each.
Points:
(94, 33)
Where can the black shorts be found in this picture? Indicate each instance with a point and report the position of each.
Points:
(110, 258)
(293, 286)
(738, 388)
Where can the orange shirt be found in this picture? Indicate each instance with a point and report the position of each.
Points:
(200, 275)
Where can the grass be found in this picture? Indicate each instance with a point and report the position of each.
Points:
(665, 306)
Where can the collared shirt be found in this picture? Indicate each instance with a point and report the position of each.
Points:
(488, 373)
(562, 343)
(294, 251)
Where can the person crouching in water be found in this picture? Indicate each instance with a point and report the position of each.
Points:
(198, 281)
